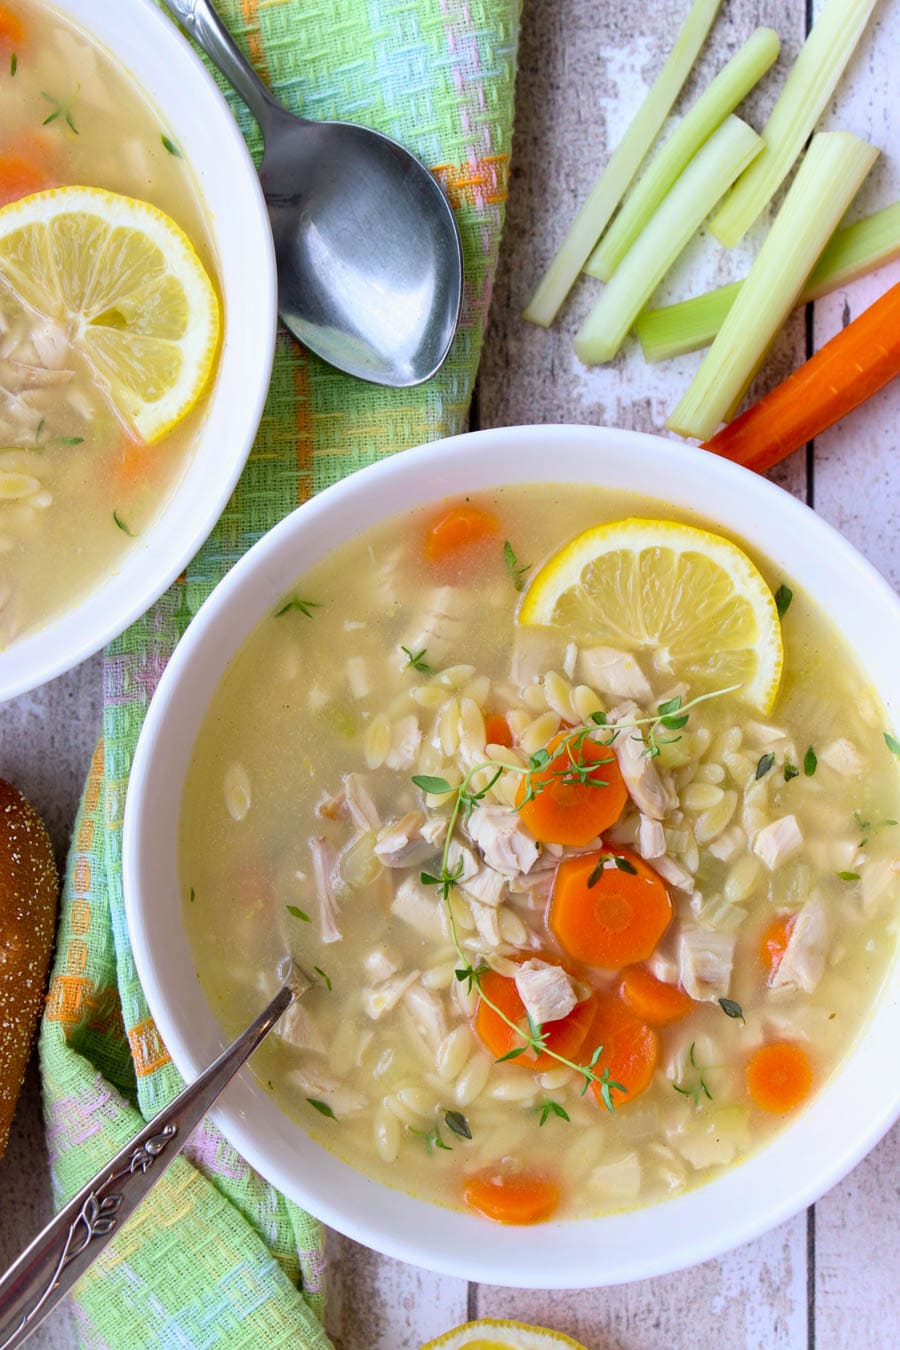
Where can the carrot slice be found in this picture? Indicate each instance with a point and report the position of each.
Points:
(629, 1051)
(653, 1000)
(565, 1036)
(19, 177)
(456, 529)
(779, 1077)
(605, 916)
(496, 730)
(12, 30)
(853, 366)
(511, 1197)
(774, 942)
(573, 812)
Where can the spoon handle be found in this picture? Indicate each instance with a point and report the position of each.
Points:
(206, 28)
(58, 1256)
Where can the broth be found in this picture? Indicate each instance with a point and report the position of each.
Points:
(75, 485)
(381, 666)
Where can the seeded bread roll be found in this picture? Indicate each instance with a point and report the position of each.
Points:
(29, 886)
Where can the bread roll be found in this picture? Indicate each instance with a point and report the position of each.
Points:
(29, 887)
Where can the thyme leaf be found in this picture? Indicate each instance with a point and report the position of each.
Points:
(324, 978)
(429, 783)
(764, 764)
(892, 744)
(456, 1121)
(731, 1009)
(849, 876)
(431, 1139)
(516, 570)
(322, 1107)
(783, 597)
(417, 661)
(298, 913)
(790, 771)
(550, 1108)
(170, 146)
(122, 526)
(810, 762)
(303, 606)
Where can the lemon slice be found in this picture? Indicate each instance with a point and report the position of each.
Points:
(690, 598)
(125, 284)
(489, 1333)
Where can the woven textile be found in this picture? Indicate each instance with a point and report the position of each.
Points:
(216, 1256)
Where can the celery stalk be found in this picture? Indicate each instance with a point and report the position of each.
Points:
(621, 167)
(827, 181)
(851, 252)
(711, 172)
(733, 82)
(807, 89)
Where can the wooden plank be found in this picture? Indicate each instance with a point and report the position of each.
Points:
(376, 1303)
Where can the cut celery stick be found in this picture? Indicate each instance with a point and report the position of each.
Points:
(811, 82)
(711, 172)
(621, 167)
(827, 181)
(733, 82)
(851, 252)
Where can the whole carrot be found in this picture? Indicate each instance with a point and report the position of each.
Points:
(853, 366)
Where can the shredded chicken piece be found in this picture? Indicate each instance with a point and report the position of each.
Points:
(705, 960)
(730, 844)
(487, 922)
(458, 854)
(400, 843)
(384, 997)
(546, 991)
(842, 756)
(381, 962)
(324, 1087)
(803, 963)
(762, 736)
(50, 344)
(421, 910)
(615, 673)
(324, 863)
(487, 886)
(298, 1028)
(651, 838)
(427, 1011)
(650, 790)
(406, 738)
(778, 842)
(880, 881)
(674, 873)
(501, 838)
(664, 962)
(363, 811)
(536, 649)
(441, 624)
(435, 830)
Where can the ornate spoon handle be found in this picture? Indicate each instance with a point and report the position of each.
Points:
(58, 1256)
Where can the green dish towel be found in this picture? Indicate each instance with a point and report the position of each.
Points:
(216, 1256)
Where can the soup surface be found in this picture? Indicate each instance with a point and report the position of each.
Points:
(587, 926)
(77, 483)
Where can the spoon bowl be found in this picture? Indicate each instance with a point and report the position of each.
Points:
(369, 259)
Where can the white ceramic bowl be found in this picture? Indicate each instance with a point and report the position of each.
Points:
(808, 1156)
(164, 65)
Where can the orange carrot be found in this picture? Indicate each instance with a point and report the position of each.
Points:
(779, 1077)
(573, 812)
(608, 914)
(853, 366)
(774, 942)
(12, 30)
(629, 1050)
(19, 177)
(653, 1000)
(496, 730)
(456, 529)
(511, 1197)
(565, 1036)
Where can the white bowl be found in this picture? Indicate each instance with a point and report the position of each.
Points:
(813, 1152)
(164, 65)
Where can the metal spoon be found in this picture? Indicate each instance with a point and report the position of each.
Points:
(369, 259)
(59, 1255)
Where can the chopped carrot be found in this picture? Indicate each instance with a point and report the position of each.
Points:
(19, 177)
(629, 1050)
(774, 942)
(608, 914)
(565, 1036)
(779, 1077)
(496, 730)
(853, 366)
(456, 529)
(12, 30)
(653, 1000)
(511, 1197)
(573, 812)
(136, 464)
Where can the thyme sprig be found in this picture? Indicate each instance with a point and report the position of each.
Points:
(693, 1090)
(463, 799)
(61, 108)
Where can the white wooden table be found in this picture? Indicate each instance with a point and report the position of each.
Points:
(828, 1278)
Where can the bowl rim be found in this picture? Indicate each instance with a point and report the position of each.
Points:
(828, 1154)
(122, 595)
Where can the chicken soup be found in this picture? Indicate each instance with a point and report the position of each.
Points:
(585, 824)
(108, 318)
